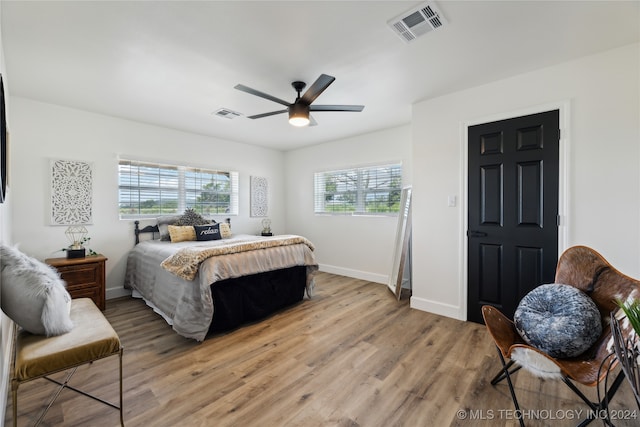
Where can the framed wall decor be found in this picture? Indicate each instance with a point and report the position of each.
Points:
(71, 192)
(3, 145)
(259, 196)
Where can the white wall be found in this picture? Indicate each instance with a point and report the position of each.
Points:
(41, 132)
(355, 246)
(600, 100)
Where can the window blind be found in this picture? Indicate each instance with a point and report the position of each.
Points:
(151, 189)
(358, 191)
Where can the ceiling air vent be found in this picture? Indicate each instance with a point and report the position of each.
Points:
(226, 113)
(416, 22)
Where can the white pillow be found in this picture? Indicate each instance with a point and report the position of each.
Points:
(163, 226)
(33, 295)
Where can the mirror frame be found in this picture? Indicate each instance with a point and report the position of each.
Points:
(401, 247)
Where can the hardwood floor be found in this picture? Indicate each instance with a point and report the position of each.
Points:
(350, 356)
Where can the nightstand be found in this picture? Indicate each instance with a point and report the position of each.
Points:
(85, 277)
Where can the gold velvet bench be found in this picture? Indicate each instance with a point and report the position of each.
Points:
(37, 356)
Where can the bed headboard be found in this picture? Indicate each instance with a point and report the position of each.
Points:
(147, 229)
(154, 229)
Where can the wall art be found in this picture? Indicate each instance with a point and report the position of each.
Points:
(259, 196)
(71, 192)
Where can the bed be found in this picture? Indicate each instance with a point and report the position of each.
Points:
(202, 287)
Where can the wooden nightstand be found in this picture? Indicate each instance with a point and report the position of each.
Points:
(85, 277)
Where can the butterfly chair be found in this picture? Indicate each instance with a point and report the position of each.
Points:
(587, 270)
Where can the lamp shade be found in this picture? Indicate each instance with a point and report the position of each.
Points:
(299, 114)
(76, 235)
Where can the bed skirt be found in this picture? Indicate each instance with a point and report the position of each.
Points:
(250, 298)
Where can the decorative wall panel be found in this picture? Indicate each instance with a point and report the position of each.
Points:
(71, 192)
(259, 196)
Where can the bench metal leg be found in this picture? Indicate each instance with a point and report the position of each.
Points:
(121, 402)
(65, 384)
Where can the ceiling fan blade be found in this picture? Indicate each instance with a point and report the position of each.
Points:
(272, 113)
(261, 94)
(356, 108)
(312, 121)
(317, 88)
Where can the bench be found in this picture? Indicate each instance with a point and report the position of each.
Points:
(37, 356)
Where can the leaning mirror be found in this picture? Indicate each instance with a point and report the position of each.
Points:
(401, 247)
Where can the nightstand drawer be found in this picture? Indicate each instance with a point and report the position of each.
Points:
(79, 274)
(80, 291)
(85, 277)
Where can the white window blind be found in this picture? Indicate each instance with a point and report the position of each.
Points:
(151, 189)
(367, 190)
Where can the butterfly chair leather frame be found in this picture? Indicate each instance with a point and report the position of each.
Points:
(587, 270)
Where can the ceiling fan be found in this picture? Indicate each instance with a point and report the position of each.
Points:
(300, 108)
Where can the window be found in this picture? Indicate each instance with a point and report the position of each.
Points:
(359, 191)
(150, 190)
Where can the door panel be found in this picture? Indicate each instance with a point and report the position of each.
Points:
(529, 194)
(490, 278)
(513, 206)
(491, 195)
(529, 268)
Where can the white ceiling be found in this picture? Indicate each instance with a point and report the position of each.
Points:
(174, 63)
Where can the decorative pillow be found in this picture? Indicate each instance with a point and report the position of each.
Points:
(560, 320)
(163, 226)
(191, 217)
(208, 232)
(225, 230)
(33, 294)
(180, 233)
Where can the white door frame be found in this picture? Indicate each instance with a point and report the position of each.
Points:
(564, 108)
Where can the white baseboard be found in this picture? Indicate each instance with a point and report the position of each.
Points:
(435, 307)
(356, 274)
(117, 293)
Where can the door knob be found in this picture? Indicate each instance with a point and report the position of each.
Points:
(471, 233)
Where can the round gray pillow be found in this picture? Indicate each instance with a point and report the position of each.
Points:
(560, 320)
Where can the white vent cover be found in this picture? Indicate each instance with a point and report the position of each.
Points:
(226, 113)
(416, 22)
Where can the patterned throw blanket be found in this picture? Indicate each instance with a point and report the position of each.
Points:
(186, 261)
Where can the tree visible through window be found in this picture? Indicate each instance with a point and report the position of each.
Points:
(150, 190)
(364, 190)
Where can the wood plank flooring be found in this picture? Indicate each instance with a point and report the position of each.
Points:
(350, 356)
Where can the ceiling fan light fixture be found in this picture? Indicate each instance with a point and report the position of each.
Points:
(299, 110)
(299, 121)
(299, 115)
